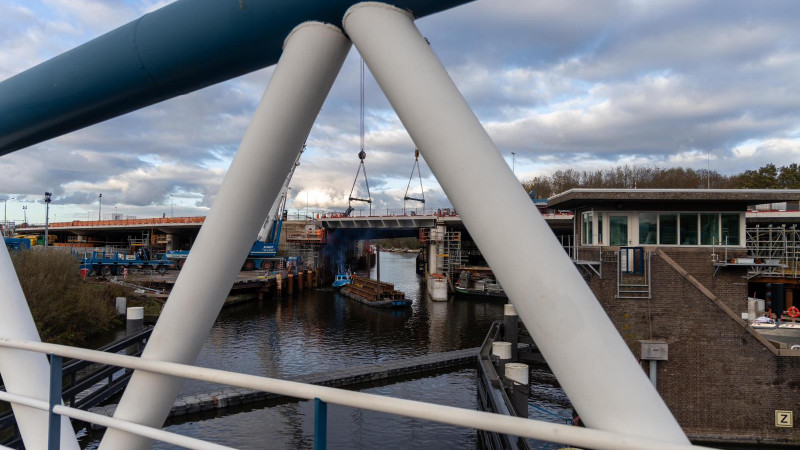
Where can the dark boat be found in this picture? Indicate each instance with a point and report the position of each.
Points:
(486, 286)
(374, 293)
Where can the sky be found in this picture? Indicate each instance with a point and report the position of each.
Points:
(560, 84)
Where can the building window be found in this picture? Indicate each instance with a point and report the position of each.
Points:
(586, 228)
(668, 229)
(730, 229)
(618, 230)
(709, 229)
(688, 228)
(648, 228)
(600, 228)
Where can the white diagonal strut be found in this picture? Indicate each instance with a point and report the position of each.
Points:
(312, 56)
(581, 345)
(25, 373)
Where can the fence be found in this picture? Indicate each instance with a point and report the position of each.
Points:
(534, 429)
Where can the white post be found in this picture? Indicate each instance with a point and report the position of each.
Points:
(576, 337)
(25, 373)
(313, 54)
(433, 260)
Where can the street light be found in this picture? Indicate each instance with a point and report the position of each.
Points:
(513, 162)
(100, 206)
(5, 214)
(25, 213)
(47, 196)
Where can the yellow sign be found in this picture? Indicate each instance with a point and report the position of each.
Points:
(783, 419)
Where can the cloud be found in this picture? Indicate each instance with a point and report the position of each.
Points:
(568, 84)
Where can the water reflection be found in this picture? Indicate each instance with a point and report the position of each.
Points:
(320, 330)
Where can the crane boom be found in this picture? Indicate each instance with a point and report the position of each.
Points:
(279, 203)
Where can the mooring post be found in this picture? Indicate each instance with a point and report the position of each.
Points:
(320, 424)
(511, 329)
(502, 351)
(517, 374)
(54, 423)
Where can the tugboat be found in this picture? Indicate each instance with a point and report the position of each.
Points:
(342, 279)
(483, 287)
(374, 293)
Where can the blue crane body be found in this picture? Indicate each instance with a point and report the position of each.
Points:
(262, 254)
(113, 263)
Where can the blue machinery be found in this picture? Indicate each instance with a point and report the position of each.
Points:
(193, 43)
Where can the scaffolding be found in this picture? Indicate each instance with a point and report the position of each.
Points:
(306, 243)
(452, 256)
(775, 251)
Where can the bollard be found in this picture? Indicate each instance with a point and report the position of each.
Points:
(308, 278)
(290, 283)
(134, 323)
(122, 305)
(278, 284)
(518, 373)
(300, 280)
(511, 329)
(135, 319)
(502, 350)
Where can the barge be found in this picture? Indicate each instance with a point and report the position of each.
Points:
(374, 293)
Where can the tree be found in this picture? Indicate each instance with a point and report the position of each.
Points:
(789, 177)
(764, 178)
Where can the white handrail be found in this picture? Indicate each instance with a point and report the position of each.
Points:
(534, 429)
(110, 422)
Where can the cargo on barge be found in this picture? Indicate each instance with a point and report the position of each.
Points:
(374, 293)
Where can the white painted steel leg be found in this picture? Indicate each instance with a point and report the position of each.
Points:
(313, 54)
(25, 373)
(581, 345)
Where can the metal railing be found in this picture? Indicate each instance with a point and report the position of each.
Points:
(534, 429)
(87, 384)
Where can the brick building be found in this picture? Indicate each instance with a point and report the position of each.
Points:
(653, 259)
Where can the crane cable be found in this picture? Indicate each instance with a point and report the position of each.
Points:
(361, 155)
(421, 190)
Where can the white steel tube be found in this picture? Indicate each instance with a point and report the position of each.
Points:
(313, 54)
(576, 337)
(551, 432)
(141, 430)
(110, 422)
(25, 373)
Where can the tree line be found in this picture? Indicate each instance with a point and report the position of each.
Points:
(630, 177)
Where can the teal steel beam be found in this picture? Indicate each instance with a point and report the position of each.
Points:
(184, 46)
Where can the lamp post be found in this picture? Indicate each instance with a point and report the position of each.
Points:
(100, 207)
(513, 162)
(5, 214)
(47, 196)
(25, 213)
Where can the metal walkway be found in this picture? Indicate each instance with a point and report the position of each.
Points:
(369, 373)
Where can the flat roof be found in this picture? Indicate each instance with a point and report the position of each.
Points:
(715, 199)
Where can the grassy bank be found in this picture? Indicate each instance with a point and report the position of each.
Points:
(67, 309)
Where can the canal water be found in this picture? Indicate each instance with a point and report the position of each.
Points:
(319, 330)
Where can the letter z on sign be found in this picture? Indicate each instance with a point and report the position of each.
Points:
(783, 419)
